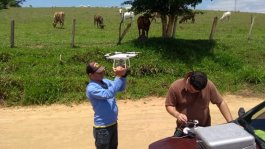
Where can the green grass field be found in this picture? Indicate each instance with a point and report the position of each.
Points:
(31, 73)
(261, 134)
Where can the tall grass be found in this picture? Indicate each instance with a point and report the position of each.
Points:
(32, 73)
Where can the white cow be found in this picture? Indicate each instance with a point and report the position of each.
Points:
(226, 15)
(127, 15)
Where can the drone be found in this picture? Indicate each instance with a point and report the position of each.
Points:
(120, 59)
(188, 130)
(190, 126)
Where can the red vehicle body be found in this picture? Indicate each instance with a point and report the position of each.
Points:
(252, 120)
(173, 142)
(177, 143)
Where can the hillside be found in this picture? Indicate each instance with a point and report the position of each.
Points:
(32, 73)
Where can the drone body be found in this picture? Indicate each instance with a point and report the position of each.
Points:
(121, 59)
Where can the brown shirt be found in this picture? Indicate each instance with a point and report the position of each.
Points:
(194, 105)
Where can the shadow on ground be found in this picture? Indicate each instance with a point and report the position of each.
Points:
(183, 50)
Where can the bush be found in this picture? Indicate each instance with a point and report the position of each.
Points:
(252, 75)
(11, 90)
(5, 57)
(49, 90)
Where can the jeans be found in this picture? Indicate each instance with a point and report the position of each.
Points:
(106, 138)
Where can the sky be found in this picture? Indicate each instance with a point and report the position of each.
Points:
(224, 5)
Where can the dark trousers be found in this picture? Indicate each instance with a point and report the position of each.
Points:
(106, 138)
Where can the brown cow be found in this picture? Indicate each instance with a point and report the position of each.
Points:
(189, 16)
(99, 21)
(143, 24)
(58, 17)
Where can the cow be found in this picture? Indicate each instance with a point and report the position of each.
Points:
(143, 24)
(226, 15)
(189, 16)
(127, 15)
(58, 17)
(99, 21)
(155, 15)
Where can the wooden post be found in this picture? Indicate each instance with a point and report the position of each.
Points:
(251, 26)
(213, 28)
(61, 61)
(121, 36)
(119, 40)
(73, 34)
(12, 34)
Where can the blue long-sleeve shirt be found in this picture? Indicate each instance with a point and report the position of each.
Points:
(102, 98)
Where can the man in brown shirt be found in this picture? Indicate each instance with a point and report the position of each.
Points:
(189, 98)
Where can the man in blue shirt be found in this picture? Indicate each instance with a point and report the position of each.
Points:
(101, 93)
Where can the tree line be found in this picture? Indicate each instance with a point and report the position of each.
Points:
(4, 4)
(169, 10)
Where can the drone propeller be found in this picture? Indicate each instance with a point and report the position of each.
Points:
(133, 52)
(118, 52)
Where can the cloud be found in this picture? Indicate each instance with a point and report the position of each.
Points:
(241, 5)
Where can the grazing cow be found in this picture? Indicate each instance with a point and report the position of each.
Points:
(189, 16)
(58, 17)
(143, 24)
(99, 21)
(226, 15)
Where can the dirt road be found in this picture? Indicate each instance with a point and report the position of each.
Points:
(63, 127)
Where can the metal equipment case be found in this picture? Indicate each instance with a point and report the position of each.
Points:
(224, 136)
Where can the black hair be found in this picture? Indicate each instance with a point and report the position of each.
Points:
(88, 69)
(198, 80)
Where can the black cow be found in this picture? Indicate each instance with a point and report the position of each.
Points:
(143, 24)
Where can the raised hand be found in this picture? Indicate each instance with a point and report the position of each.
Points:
(119, 71)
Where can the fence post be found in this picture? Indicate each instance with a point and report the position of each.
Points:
(73, 34)
(251, 26)
(119, 40)
(12, 34)
(121, 35)
(213, 28)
